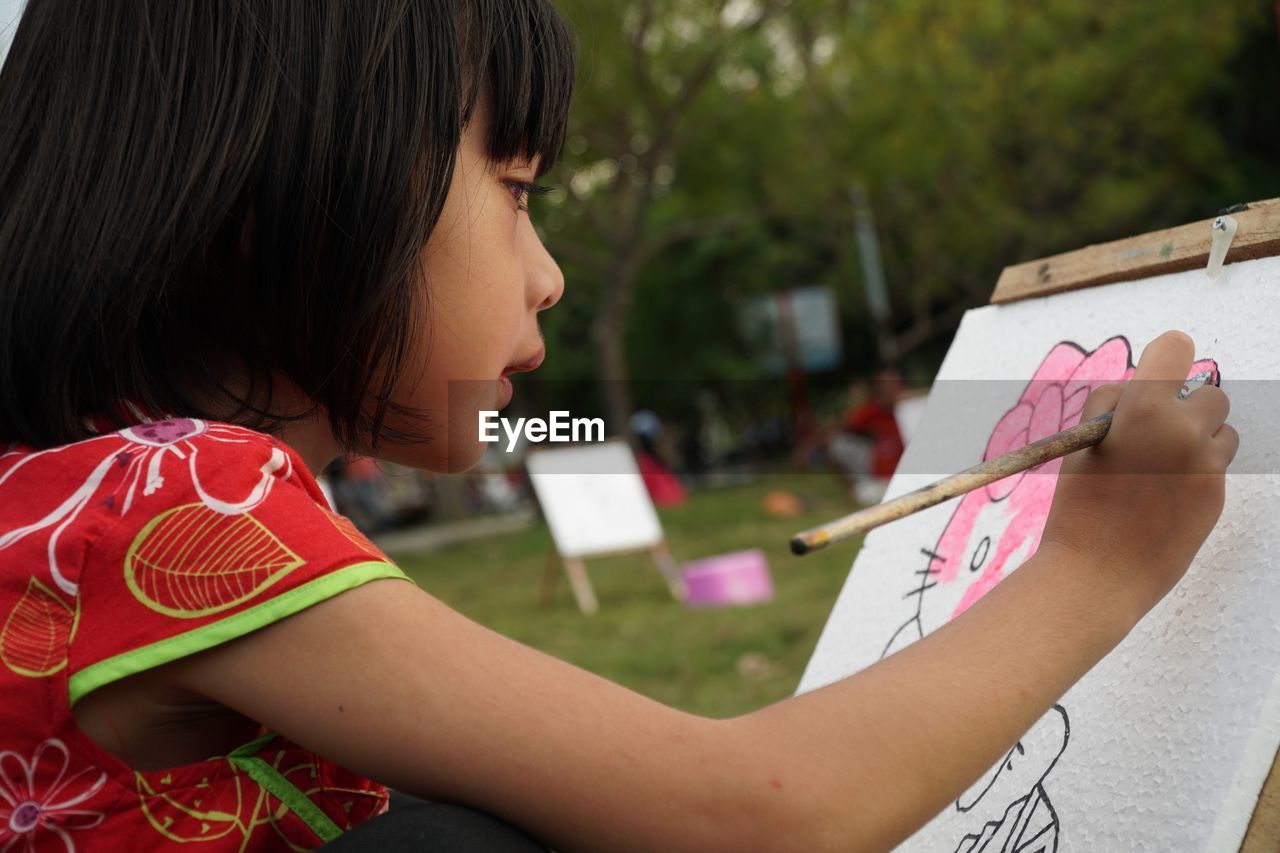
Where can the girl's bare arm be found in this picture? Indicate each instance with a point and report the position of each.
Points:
(391, 683)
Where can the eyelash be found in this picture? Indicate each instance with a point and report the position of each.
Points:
(522, 190)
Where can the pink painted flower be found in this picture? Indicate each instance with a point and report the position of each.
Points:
(994, 530)
(39, 801)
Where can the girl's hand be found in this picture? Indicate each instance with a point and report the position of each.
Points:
(1138, 506)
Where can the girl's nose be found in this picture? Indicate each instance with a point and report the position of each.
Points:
(546, 281)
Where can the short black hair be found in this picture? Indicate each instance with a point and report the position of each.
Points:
(137, 135)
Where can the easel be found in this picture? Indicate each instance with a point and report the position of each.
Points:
(589, 490)
(584, 594)
(1172, 250)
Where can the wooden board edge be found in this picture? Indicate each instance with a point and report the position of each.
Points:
(1171, 250)
(1263, 834)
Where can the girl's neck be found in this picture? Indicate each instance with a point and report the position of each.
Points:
(313, 441)
(311, 436)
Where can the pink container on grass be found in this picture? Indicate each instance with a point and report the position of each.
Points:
(741, 577)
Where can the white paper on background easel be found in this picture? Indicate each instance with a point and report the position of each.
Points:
(594, 499)
(1167, 742)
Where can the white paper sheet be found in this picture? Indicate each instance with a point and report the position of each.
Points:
(1165, 745)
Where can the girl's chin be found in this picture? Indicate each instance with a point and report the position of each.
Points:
(454, 445)
(463, 458)
(461, 454)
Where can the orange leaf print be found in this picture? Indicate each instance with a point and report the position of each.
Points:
(191, 561)
(348, 529)
(36, 634)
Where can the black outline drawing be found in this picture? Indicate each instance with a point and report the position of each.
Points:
(1023, 810)
(1024, 814)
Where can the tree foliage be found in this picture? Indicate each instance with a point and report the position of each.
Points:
(714, 144)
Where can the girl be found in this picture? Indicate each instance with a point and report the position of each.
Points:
(241, 238)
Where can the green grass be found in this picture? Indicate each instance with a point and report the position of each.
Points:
(718, 662)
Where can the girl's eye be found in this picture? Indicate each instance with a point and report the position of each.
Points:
(521, 190)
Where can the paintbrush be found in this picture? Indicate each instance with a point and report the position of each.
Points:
(1046, 449)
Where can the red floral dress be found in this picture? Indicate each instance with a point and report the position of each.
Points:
(132, 549)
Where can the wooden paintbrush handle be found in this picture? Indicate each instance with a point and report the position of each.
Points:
(1055, 446)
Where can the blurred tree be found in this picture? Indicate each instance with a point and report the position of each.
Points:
(986, 133)
(999, 131)
(652, 77)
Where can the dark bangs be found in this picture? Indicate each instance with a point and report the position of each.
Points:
(525, 53)
(138, 142)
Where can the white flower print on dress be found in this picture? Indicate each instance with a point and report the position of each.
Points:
(135, 462)
(38, 800)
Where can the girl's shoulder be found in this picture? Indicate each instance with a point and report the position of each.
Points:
(137, 461)
(167, 531)
(155, 540)
(154, 482)
(114, 476)
(136, 548)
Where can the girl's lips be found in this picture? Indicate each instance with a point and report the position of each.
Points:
(531, 363)
(506, 391)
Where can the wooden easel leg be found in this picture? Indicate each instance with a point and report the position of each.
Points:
(550, 575)
(582, 591)
(667, 565)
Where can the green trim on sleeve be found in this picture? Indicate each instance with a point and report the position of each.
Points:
(236, 625)
(273, 781)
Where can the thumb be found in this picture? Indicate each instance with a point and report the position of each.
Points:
(1103, 399)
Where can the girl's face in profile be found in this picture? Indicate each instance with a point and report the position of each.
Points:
(487, 275)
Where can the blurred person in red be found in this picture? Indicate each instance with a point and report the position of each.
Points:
(874, 419)
(867, 444)
(664, 487)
